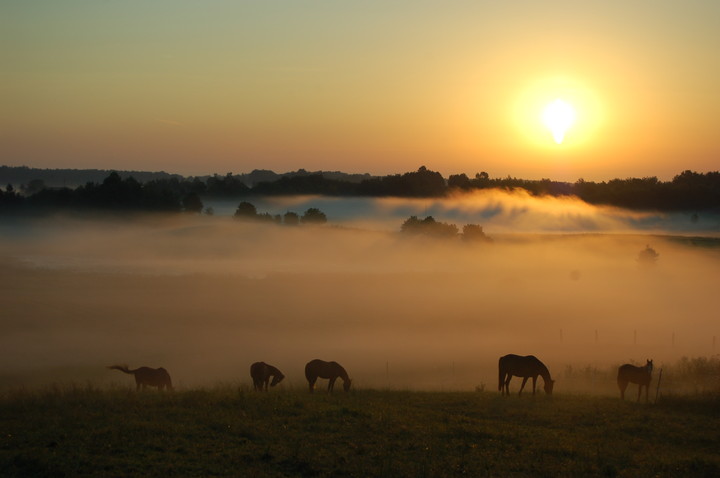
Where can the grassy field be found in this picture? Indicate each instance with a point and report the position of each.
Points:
(232, 431)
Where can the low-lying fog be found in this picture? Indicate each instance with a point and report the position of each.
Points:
(205, 296)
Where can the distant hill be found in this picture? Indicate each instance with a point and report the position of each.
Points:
(258, 176)
(20, 176)
(688, 191)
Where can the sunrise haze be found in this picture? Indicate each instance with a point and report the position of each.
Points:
(381, 87)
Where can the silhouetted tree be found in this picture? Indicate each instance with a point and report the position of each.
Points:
(648, 256)
(481, 180)
(265, 217)
(313, 216)
(33, 186)
(291, 219)
(473, 232)
(429, 227)
(246, 210)
(459, 181)
(226, 186)
(192, 203)
(422, 183)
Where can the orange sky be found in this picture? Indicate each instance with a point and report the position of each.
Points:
(382, 87)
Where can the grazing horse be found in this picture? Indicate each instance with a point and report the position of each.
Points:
(525, 367)
(631, 374)
(331, 370)
(261, 373)
(148, 377)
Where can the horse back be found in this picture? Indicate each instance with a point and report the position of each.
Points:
(322, 369)
(338, 370)
(257, 370)
(634, 374)
(521, 366)
(156, 377)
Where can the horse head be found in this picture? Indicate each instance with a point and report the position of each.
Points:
(346, 385)
(549, 384)
(649, 365)
(277, 379)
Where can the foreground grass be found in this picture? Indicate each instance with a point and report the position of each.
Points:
(234, 432)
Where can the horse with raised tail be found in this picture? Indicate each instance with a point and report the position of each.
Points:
(147, 377)
(522, 366)
(330, 370)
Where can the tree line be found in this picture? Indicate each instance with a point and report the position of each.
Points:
(688, 190)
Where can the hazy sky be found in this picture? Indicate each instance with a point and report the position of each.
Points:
(215, 86)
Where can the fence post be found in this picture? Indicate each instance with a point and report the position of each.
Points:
(657, 390)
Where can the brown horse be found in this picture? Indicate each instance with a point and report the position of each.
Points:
(631, 374)
(261, 373)
(525, 367)
(331, 370)
(148, 377)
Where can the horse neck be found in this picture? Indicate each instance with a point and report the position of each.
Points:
(545, 373)
(343, 374)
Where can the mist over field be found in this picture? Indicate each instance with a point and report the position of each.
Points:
(205, 296)
(498, 211)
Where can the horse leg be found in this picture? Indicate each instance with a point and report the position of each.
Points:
(331, 384)
(311, 384)
(639, 391)
(534, 383)
(525, 379)
(622, 385)
(506, 389)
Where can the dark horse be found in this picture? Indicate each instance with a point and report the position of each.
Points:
(261, 373)
(631, 374)
(331, 370)
(148, 377)
(525, 367)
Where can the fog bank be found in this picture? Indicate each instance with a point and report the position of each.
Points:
(206, 296)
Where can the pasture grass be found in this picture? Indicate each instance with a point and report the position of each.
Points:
(232, 431)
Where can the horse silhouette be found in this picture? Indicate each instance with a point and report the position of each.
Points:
(526, 367)
(261, 373)
(331, 370)
(147, 377)
(631, 374)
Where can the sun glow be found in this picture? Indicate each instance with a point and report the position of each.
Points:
(568, 108)
(558, 116)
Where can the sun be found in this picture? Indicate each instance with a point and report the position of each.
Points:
(558, 117)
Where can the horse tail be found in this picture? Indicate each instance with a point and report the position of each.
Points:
(122, 368)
